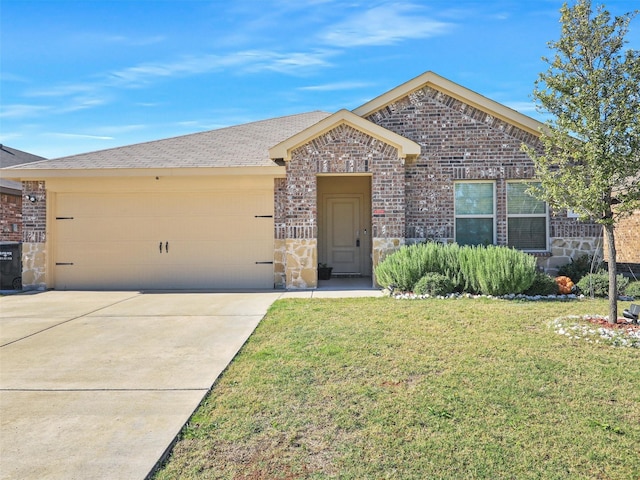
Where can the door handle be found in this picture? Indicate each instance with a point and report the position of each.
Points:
(160, 247)
(166, 247)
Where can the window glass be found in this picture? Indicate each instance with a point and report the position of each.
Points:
(527, 233)
(526, 219)
(475, 213)
(474, 198)
(474, 231)
(520, 202)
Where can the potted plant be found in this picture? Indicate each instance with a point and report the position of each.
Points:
(324, 271)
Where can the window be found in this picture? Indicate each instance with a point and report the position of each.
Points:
(526, 218)
(475, 213)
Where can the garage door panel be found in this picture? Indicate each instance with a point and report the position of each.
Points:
(94, 205)
(214, 240)
(95, 229)
(101, 253)
(102, 277)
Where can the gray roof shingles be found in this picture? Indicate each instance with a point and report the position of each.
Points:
(245, 145)
(10, 157)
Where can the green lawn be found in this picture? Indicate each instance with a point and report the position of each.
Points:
(433, 389)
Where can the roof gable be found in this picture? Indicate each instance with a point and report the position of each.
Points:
(456, 91)
(405, 147)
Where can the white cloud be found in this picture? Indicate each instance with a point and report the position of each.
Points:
(84, 103)
(120, 129)
(22, 110)
(330, 87)
(294, 63)
(385, 25)
(78, 135)
(63, 90)
(10, 77)
(97, 39)
(249, 60)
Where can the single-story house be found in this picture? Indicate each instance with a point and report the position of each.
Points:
(260, 205)
(11, 194)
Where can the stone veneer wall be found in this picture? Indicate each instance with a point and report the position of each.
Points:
(34, 236)
(280, 224)
(343, 150)
(461, 142)
(563, 250)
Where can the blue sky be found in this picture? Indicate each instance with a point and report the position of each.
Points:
(79, 76)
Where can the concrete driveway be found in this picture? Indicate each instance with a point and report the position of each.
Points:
(98, 384)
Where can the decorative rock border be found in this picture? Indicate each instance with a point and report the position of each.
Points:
(576, 327)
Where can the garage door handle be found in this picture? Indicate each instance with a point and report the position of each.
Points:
(166, 247)
(160, 247)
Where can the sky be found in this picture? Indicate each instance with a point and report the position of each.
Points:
(80, 76)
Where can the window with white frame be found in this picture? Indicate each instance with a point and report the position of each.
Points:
(475, 212)
(527, 218)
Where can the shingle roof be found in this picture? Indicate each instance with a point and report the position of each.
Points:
(10, 157)
(244, 145)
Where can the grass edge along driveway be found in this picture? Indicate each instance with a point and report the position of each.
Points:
(381, 388)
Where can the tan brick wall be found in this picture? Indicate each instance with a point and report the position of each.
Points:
(627, 235)
(10, 217)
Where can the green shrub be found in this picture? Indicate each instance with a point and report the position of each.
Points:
(579, 267)
(403, 268)
(433, 284)
(597, 284)
(487, 270)
(633, 290)
(543, 284)
(493, 270)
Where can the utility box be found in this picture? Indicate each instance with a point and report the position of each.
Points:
(11, 265)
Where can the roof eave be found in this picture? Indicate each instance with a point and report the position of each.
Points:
(26, 174)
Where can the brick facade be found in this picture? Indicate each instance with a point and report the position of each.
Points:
(343, 150)
(415, 201)
(628, 239)
(627, 234)
(34, 214)
(10, 217)
(34, 235)
(460, 142)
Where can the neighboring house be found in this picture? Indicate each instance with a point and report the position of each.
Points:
(628, 245)
(627, 238)
(260, 205)
(11, 194)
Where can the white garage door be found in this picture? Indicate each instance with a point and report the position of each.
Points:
(211, 240)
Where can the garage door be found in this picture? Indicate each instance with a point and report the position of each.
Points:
(211, 240)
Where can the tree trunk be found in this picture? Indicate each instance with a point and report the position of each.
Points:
(613, 271)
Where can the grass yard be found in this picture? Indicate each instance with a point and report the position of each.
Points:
(377, 388)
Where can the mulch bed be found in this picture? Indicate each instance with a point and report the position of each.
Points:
(623, 323)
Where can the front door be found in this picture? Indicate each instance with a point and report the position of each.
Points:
(343, 235)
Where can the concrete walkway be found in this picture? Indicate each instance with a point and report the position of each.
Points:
(98, 384)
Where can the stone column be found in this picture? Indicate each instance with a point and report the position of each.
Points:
(34, 233)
